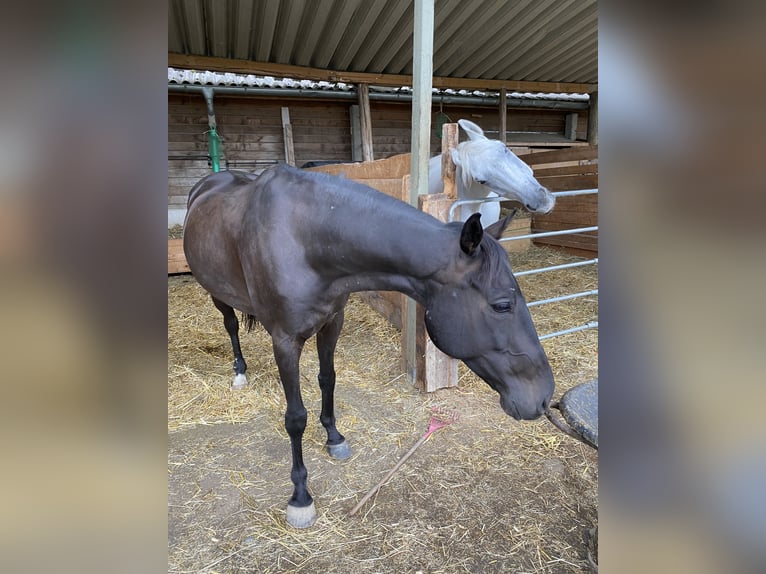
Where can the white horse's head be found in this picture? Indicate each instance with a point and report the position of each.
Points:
(491, 164)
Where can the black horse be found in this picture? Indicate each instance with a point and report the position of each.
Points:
(287, 248)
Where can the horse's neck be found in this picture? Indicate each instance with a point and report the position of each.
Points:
(393, 252)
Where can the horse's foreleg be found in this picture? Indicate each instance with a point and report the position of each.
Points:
(300, 509)
(232, 328)
(327, 339)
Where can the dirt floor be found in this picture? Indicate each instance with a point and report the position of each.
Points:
(485, 494)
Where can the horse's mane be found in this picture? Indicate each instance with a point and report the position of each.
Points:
(493, 258)
(466, 160)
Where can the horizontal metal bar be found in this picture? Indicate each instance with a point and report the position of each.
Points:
(550, 233)
(588, 325)
(460, 202)
(555, 267)
(574, 192)
(563, 298)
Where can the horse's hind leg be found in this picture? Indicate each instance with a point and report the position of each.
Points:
(327, 338)
(232, 328)
(300, 508)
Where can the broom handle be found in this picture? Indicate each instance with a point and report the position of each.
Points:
(375, 488)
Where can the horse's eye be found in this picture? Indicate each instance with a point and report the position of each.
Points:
(481, 181)
(502, 307)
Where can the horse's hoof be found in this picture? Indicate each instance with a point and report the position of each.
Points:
(340, 451)
(301, 516)
(240, 382)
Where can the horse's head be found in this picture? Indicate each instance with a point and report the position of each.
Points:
(478, 314)
(490, 163)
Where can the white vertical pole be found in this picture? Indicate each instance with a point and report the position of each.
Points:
(422, 72)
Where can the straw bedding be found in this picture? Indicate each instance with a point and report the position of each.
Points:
(486, 494)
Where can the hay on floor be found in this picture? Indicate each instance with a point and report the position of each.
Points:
(484, 494)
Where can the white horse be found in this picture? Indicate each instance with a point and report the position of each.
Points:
(487, 168)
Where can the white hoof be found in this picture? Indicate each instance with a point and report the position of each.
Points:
(301, 517)
(240, 382)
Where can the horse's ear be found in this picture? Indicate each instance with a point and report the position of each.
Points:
(470, 236)
(473, 131)
(498, 227)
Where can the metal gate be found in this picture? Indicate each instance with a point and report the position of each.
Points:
(574, 231)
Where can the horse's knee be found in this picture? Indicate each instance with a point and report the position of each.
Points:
(295, 421)
(327, 382)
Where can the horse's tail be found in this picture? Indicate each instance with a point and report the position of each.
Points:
(249, 322)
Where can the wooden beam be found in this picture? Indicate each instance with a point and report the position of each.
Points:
(450, 138)
(191, 62)
(287, 131)
(365, 120)
(570, 126)
(356, 133)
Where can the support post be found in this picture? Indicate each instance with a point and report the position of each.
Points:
(365, 119)
(570, 126)
(450, 139)
(593, 119)
(503, 113)
(422, 72)
(435, 370)
(287, 131)
(356, 133)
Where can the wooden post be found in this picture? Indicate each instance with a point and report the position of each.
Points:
(433, 369)
(503, 112)
(593, 119)
(365, 118)
(570, 126)
(356, 133)
(450, 138)
(287, 131)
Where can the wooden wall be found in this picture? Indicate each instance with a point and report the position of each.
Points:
(251, 129)
(563, 170)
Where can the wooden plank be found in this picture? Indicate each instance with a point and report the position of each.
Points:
(287, 131)
(389, 304)
(389, 186)
(569, 182)
(578, 252)
(584, 244)
(433, 369)
(395, 166)
(365, 122)
(176, 258)
(576, 169)
(450, 140)
(518, 226)
(191, 62)
(586, 152)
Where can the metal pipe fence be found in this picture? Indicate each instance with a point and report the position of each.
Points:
(563, 297)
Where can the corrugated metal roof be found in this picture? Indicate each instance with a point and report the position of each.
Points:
(521, 40)
(209, 78)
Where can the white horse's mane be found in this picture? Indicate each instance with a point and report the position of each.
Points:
(466, 160)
